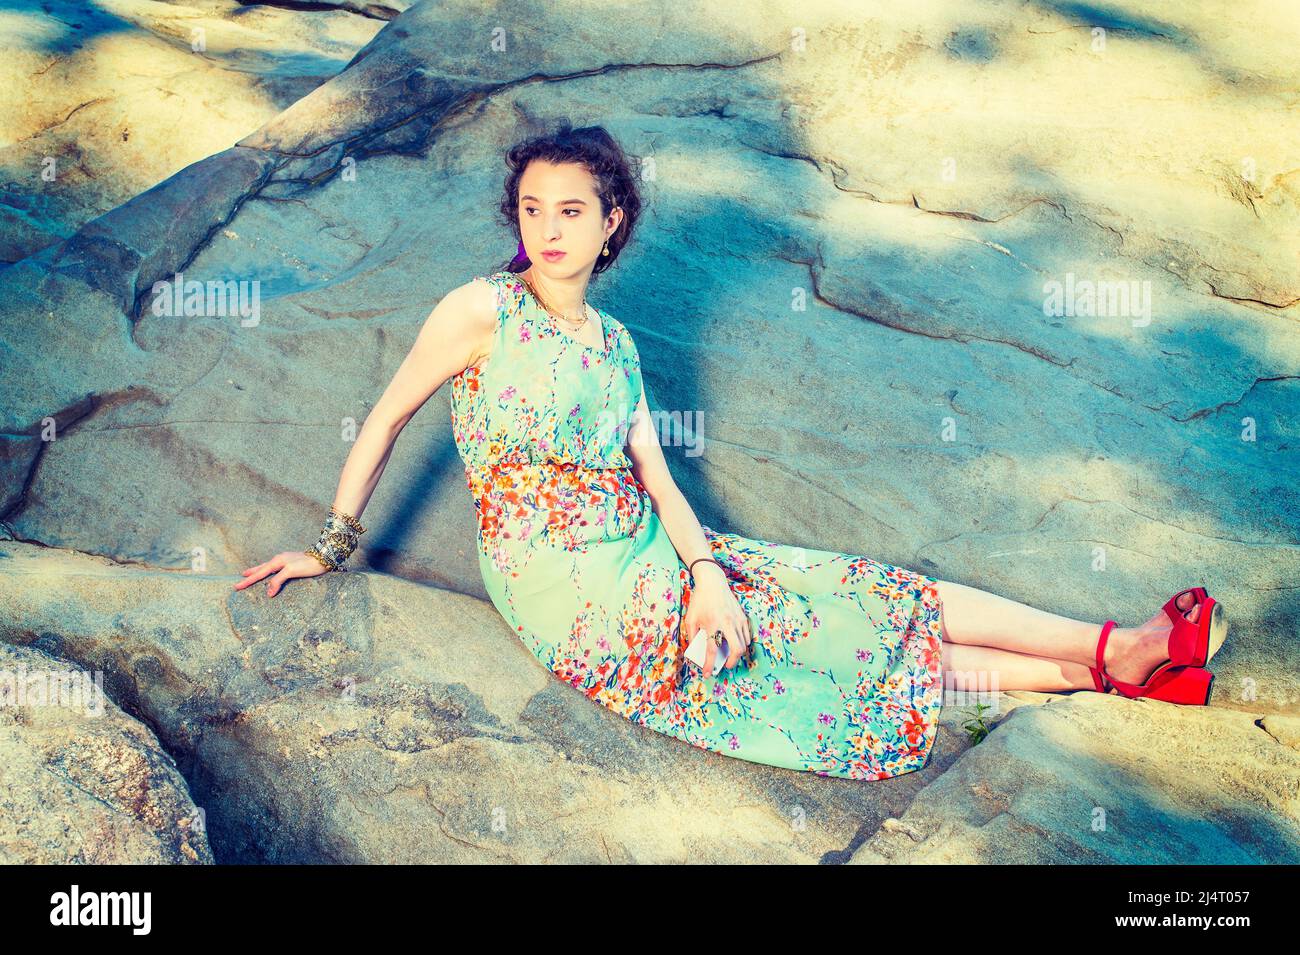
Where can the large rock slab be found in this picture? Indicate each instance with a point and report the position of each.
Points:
(843, 280)
(80, 780)
(1096, 779)
(111, 97)
(361, 718)
(846, 304)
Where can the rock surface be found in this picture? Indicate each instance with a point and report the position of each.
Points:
(1093, 779)
(114, 96)
(362, 718)
(81, 781)
(853, 226)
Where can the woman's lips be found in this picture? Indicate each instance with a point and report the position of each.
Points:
(552, 256)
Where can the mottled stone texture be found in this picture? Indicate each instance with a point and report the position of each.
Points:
(855, 219)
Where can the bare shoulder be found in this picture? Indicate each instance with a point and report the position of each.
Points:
(475, 301)
(467, 315)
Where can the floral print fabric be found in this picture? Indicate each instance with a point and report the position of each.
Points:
(845, 678)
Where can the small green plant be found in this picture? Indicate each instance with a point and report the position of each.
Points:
(975, 727)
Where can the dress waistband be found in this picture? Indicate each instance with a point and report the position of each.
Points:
(566, 501)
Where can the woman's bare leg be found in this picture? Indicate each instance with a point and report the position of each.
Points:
(975, 669)
(975, 617)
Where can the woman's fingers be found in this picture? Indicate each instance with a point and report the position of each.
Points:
(729, 633)
(253, 574)
(736, 642)
(710, 649)
(736, 631)
(276, 583)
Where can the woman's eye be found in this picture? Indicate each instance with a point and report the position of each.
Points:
(531, 209)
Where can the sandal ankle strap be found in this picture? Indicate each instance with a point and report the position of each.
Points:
(1101, 653)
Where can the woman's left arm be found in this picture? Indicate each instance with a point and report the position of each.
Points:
(713, 606)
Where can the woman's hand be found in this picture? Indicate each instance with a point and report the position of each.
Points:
(285, 566)
(714, 607)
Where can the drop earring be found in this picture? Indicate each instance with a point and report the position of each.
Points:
(606, 252)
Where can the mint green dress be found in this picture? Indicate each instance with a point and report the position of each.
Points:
(845, 675)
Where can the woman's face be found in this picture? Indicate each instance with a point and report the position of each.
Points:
(559, 209)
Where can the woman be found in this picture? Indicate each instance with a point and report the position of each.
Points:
(835, 663)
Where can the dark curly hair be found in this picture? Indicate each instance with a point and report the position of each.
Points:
(594, 148)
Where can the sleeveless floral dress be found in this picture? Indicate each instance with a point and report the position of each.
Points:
(845, 675)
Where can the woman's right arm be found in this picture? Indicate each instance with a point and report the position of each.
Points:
(457, 333)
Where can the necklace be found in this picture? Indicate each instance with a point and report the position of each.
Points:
(550, 311)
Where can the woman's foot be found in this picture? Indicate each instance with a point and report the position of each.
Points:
(1133, 653)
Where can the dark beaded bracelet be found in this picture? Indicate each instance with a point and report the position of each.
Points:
(691, 568)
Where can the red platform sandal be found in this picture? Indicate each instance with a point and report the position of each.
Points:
(1171, 682)
(1195, 644)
